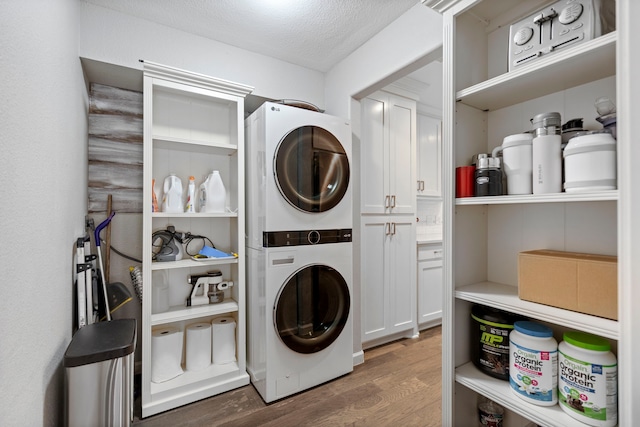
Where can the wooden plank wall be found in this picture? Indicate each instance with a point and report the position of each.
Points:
(115, 149)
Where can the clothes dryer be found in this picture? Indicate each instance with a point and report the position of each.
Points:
(298, 169)
(300, 331)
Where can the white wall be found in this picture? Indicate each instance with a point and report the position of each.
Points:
(408, 43)
(43, 144)
(113, 37)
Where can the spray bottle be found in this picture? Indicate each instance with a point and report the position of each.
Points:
(191, 196)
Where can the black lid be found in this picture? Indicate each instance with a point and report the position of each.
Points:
(101, 341)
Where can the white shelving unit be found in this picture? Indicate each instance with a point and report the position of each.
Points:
(483, 103)
(193, 124)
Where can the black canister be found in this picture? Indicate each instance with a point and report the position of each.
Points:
(490, 330)
(488, 176)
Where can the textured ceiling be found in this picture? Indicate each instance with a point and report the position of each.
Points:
(312, 33)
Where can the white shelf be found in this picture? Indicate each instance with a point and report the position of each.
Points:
(191, 386)
(583, 63)
(191, 377)
(165, 141)
(540, 198)
(194, 215)
(178, 313)
(500, 392)
(505, 297)
(189, 263)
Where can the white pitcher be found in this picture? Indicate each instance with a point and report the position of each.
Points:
(213, 196)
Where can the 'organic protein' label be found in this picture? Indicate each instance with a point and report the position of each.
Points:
(588, 389)
(533, 374)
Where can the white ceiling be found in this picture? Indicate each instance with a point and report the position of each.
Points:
(315, 34)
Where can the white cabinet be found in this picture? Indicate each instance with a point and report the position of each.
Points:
(429, 155)
(388, 154)
(388, 229)
(482, 105)
(388, 278)
(193, 124)
(429, 285)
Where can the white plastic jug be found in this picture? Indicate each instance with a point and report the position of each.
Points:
(172, 197)
(213, 196)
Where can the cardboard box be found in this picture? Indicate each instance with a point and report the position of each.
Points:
(579, 282)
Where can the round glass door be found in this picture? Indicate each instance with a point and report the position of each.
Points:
(312, 309)
(311, 169)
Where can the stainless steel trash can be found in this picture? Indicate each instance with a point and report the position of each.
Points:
(99, 365)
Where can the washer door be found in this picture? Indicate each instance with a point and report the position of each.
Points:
(311, 169)
(312, 309)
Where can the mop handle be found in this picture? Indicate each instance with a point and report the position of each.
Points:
(99, 228)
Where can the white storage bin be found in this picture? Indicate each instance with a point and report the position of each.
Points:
(590, 162)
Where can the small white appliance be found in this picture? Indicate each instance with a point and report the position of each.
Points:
(298, 166)
(300, 331)
(557, 26)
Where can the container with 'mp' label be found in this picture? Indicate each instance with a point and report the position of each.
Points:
(588, 379)
(533, 363)
(490, 330)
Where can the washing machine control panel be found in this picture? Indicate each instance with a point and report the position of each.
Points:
(274, 239)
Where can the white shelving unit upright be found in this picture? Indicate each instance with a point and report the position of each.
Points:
(483, 103)
(193, 124)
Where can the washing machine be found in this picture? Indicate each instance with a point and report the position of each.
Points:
(297, 171)
(300, 331)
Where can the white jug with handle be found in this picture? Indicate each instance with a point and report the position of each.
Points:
(172, 197)
(213, 196)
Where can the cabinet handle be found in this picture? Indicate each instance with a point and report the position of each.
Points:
(386, 201)
(387, 228)
(394, 229)
(421, 185)
(393, 201)
(418, 186)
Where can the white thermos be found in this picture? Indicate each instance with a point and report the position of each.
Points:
(546, 153)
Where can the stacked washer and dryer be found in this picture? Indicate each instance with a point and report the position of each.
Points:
(299, 249)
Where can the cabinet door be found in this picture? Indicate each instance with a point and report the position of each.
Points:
(402, 137)
(429, 149)
(375, 153)
(374, 272)
(402, 274)
(388, 277)
(429, 291)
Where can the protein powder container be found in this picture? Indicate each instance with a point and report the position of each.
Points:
(588, 380)
(490, 330)
(533, 363)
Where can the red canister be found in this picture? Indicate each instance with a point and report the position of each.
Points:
(465, 181)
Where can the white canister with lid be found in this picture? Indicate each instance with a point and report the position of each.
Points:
(590, 162)
(517, 162)
(588, 379)
(533, 363)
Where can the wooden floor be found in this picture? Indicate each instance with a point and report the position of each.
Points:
(399, 384)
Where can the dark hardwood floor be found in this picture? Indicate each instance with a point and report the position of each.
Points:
(399, 384)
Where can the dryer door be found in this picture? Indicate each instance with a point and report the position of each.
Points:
(311, 169)
(312, 309)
